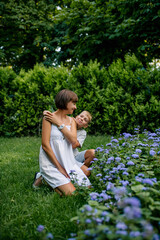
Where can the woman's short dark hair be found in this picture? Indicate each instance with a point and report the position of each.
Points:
(64, 97)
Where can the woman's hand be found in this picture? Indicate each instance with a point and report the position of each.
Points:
(63, 171)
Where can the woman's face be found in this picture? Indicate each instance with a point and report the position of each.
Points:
(71, 106)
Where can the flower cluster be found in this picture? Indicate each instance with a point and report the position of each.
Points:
(124, 200)
(43, 234)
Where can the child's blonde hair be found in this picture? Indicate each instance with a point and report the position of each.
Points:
(88, 115)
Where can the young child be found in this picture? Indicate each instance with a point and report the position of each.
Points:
(82, 121)
(86, 156)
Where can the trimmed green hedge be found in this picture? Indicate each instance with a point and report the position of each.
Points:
(120, 98)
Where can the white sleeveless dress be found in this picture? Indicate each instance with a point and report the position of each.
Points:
(64, 154)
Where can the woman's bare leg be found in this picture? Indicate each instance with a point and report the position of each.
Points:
(66, 189)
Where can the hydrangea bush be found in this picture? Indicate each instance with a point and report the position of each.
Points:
(124, 201)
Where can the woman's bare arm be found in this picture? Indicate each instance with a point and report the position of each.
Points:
(71, 135)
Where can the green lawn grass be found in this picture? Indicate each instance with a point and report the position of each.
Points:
(22, 209)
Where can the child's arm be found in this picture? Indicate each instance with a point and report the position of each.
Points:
(71, 135)
(81, 136)
(76, 144)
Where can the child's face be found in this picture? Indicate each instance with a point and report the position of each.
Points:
(82, 120)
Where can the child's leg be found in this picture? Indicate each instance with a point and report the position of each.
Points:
(89, 155)
(85, 170)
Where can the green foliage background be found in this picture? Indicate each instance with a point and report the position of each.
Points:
(120, 98)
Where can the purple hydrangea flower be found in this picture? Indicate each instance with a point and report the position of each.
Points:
(99, 175)
(156, 237)
(111, 159)
(152, 152)
(127, 135)
(108, 144)
(49, 236)
(40, 228)
(118, 159)
(138, 150)
(130, 163)
(125, 173)
(138, 179)
(88, 208)
(121, 225)
(133, 201)
(135, 155)
(94, 195)
(140, 174)
(98, 220)
(124, 183)
(104, 213)
(89, 169)
(121, 232)
(148, 181)
(132, 212)
(119, 192)
(87, 232)
(114, 140)
(134, 234)
(88, 220)
(110, 186)
(106, 151)
(104, 196)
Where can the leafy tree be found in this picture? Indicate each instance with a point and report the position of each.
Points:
(26, 29)
(107, 30)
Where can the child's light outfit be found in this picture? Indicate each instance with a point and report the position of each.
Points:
(81, 136)
(64, 154)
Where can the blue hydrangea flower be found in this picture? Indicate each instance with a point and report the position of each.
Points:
(110, 186)
(132, 212)
(119, 192)
(118, 159)
(40, 228)
(130, 163)
(94, 195)
(88, 220)
(124, 183)
(87, 232)
(114, 140)
(99, 175)
(121, 232)
(133, 201)
(49, 236)
(135, 155)
(148, 181)
(121, 225)
(138, 150)
(88, 208)
(111, 159)
(152, 152)
(125, 173)
(140, 174)
(134, 234)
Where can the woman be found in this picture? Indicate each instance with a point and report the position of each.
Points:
(57, 163)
